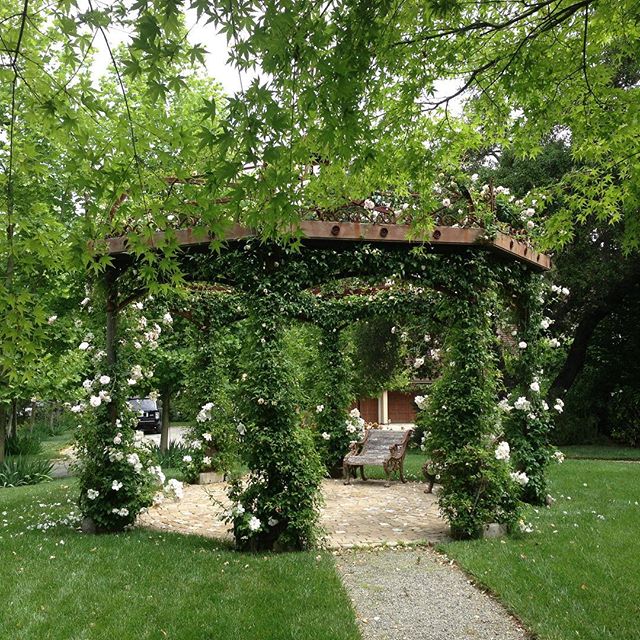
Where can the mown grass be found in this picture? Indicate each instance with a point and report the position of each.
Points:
(53, 446)
(601, 452)
(60, 584)
(412, 468)
(578, 574)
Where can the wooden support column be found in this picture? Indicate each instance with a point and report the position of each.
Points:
(111, 341)
(383, 408)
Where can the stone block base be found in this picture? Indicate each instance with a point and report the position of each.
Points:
(210, 477)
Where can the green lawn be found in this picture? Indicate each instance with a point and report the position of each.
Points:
(412, 467)
(601, 452)
(62, 585)
(53, 445)
(578, 574)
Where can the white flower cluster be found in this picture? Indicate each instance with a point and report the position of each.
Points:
(205, 412)
(525, 527)
(137, 374)
(418, 362)
(355, 423)
(123, 512)
(520, 477)
(174, 488)
(522, 404)
(421, 401)
(503, 451)
(561, 290)
(558, 457)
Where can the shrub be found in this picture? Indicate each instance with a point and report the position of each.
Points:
(172, 457)
(25, 443)
(212, 442)
(18, 471)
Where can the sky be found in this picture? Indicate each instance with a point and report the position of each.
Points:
(216, 60)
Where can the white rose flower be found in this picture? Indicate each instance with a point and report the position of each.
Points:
(207, 436)
(369, 204)
(319, 408)
(187, 459)
(520, 477)
(446, 202)
(95, 401)
(92, 494)
(522, 344)
(241, 429)
(83, 346)
(87, 384)
(52, 319)
(325, 435)
(559, 457)
(116, 485)
(85, 302)
(118, 439)
(105, 379)
(167, 318)
(418, 362)
(503, 451)
(535, 386)
(254, 524)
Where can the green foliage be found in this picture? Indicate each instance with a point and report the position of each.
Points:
(24, 443)
(212, 441)
(378, 355)
(18, 471)
(333, 394)
(172, 457)
(461, 418)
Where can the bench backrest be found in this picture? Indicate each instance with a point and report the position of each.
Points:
(378, 441)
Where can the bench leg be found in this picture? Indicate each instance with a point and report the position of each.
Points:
(346, 473)
(387, 475)
(402, 478)
(364, 478)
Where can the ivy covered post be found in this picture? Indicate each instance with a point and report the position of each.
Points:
(462, 419)
(117, 476)
(528, 421)
(277, 506)
(334, 397)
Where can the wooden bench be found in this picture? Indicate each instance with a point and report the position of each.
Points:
(379, 448)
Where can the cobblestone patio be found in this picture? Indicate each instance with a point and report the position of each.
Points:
(360, 514)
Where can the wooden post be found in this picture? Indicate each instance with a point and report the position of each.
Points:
(166, 420)
(111, 346)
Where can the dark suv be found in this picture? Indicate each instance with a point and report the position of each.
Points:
(148, 414)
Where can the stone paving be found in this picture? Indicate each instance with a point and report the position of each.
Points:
(364, 514)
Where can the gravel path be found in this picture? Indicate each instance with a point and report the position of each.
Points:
(417, 595)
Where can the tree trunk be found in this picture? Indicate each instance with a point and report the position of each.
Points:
(577, 353)
(3, 429)
(13, 420)
(166, 420)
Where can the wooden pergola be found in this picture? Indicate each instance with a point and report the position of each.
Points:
(328, 234)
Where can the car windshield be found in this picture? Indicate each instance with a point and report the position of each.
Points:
(144, 404)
